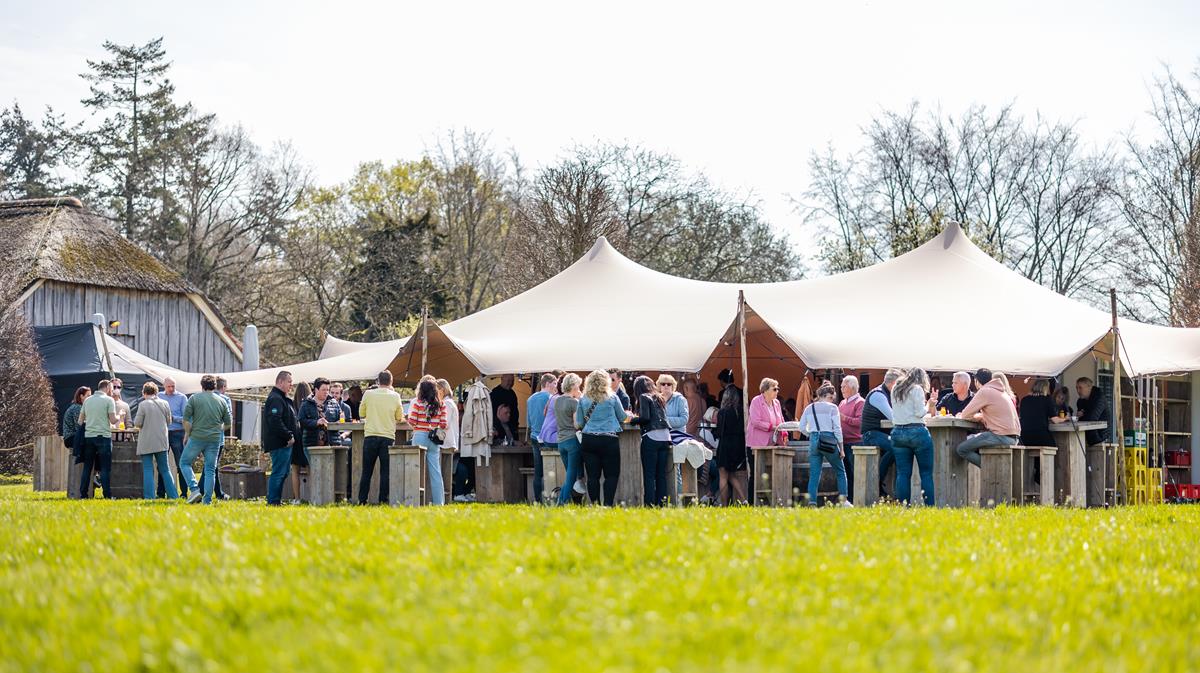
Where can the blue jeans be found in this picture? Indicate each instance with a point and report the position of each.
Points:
(884, 442)
(539, 478)
(97, 454)
(217, 482)
(281, 462)
(909, 441)
(149, 486)
(656, 469)
(210, 448)
(569, 450)
(175, 441)
(433, 465)
(816, 458)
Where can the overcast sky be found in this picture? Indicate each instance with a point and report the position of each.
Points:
(739, 90)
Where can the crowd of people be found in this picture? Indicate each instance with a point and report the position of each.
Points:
(582, 419)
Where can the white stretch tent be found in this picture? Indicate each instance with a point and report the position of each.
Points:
(946, 305)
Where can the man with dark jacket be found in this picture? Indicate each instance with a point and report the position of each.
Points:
(1093, 406)
(503, 395)
(279, 432)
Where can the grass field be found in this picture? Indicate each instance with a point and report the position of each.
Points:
(121, 586)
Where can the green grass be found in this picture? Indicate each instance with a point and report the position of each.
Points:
(119, 586)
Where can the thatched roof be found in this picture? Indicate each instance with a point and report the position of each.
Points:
(59, 239)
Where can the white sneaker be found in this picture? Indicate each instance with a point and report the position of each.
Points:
(461, 498)
(294, 502)
(195, 497)
(846, 503)
(580, 487)
(470, 497)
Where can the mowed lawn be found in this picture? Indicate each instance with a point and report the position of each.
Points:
(120, 586)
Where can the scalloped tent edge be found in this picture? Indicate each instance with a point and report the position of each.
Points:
(906, 311)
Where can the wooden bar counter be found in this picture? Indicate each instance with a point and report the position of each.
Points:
(354, 457)
(1070, 463)
(500, 479)
(955, 481)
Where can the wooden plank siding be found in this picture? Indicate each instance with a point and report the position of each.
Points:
(167, 327)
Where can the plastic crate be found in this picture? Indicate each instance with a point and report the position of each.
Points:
(1154, 494)
(1135, 457)
(1190, 491)
(1179, 457)
(1174, 490)
(1138, 495)
(1154, 476)
(1136, 477)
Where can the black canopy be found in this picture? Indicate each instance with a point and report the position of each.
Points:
(73, 356)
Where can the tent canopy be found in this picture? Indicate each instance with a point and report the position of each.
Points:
(946, 305)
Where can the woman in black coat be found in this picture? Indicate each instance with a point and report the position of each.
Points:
(732, 462)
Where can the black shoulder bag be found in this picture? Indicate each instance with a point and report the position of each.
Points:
(827, 445)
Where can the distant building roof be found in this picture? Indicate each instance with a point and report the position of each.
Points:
(59, 239)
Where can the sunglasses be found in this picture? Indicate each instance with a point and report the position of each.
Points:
(667, 385)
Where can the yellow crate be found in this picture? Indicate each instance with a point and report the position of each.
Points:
(1154, 477)
(1138, 495)
(1155, 494)
(1135, 456)
(1136, 476)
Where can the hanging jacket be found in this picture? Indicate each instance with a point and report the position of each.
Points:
(476, 435)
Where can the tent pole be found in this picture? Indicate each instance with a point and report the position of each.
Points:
(98, 320)
(1119, 458)
(742, 345)
(424, 337)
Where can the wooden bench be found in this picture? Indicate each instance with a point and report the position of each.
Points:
(327, 477)
(996, 475)
(771, 483)
(866, 475)
(406, 475)
(1024, 490)
(530, 496)
(686, 489)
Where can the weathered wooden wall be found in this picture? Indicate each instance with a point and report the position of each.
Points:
(166, 327)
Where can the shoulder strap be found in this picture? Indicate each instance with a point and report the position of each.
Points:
(588, 416)
(816, 419)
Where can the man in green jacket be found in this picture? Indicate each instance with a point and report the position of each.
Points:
(205, 419)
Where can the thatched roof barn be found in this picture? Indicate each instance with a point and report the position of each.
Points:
(71, 263)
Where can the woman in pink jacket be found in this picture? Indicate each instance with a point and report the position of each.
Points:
(766, 415)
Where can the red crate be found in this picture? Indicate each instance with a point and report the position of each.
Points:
(1173, 490)
(1178, 457)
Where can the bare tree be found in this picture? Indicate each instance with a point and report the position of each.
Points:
(1159, 199)
(1029, 195)
(567, 207)
(475, 210)
(1066, 213)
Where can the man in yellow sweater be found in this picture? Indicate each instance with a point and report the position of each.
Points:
(381, 409)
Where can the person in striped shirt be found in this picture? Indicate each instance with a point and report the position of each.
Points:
(425, 415)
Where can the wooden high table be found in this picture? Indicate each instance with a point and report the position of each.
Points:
(499, 480)
(1070, 463)
(954, 484)
(357, 432)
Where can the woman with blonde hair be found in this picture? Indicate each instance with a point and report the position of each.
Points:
(599, 417)
(910, 437)
(568, 442)
(1003, 378)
